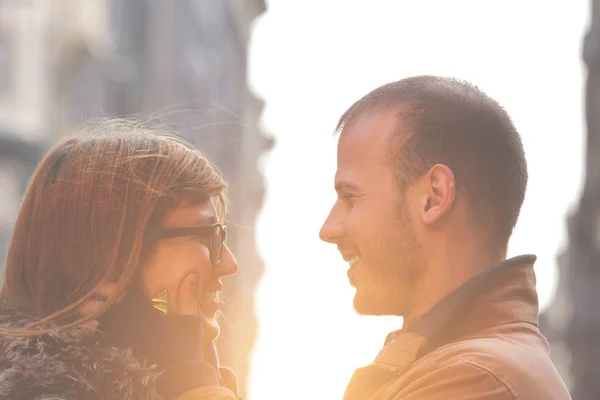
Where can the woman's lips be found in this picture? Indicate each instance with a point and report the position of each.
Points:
(209, 304)
(208, 299)
(209, 307)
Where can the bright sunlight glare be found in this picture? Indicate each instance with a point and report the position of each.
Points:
(310, 60)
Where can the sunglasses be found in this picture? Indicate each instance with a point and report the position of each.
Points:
(213, 236)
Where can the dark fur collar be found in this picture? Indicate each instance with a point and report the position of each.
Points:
(70, 364)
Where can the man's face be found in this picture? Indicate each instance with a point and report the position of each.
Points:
(370, 222)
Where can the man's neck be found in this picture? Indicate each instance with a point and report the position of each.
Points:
(445, 275)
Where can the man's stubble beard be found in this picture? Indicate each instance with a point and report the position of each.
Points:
(397, 264)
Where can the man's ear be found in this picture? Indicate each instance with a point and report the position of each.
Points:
(439, 192)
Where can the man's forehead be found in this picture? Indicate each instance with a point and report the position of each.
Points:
(364, 152)
(367, 138)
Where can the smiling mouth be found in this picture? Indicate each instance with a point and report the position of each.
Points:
(354, 260)
(208, 304)
(214, 296)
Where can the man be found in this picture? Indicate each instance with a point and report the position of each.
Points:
(431, 177)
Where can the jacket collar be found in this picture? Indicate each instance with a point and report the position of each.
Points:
(500, 295)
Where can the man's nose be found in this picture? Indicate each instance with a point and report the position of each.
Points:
(332, 229)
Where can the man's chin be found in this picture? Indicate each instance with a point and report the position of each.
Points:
(366, 305)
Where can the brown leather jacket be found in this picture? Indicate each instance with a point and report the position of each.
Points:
(480, 342)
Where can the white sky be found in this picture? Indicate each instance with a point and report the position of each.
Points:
(310, 60)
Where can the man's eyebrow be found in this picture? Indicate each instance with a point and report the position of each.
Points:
(346, 187)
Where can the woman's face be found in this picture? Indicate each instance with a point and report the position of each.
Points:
(182, 266)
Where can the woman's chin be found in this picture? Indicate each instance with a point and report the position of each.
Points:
(211, 327)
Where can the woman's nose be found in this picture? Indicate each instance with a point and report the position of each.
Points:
(229, 264)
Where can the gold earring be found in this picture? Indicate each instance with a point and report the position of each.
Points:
(161, 302)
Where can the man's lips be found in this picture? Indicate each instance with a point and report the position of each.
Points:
(353, 260)
(349, 255)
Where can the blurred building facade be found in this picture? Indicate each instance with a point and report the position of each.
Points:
(572, 322)
(65, 61)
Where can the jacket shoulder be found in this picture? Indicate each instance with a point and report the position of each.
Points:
(516, 356)
(459, 380)
(514, 350)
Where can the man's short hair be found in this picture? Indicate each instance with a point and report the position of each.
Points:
(451, 122)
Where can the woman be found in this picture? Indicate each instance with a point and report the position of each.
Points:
(111, 282)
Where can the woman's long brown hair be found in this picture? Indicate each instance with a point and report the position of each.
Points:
(86, 210)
